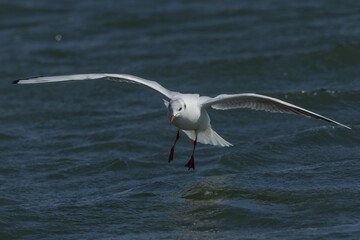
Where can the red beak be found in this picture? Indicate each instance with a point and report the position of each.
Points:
(172, 118)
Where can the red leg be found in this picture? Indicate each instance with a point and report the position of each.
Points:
(191, 163)
(171, 156)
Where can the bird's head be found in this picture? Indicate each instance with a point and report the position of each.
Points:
(175, 109)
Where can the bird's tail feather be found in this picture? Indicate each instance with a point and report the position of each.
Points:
(208, 136)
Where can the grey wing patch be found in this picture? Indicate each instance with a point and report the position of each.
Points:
(251, 102)
(261, 102)
(111, 76)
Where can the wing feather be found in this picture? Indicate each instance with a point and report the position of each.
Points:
(261, 102)
(115, 77)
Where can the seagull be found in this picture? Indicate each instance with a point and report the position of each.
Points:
(188, 111)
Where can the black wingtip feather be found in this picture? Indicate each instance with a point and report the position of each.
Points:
(16, 81)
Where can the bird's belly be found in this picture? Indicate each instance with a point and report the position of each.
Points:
(185, 125)
(198, 123)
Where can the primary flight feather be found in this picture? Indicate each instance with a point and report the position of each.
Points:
(188, 111)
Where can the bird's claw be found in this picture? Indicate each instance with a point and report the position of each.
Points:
(191, 163)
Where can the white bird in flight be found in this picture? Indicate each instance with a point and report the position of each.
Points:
(188, 111)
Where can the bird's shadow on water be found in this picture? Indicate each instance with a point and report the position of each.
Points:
(214, 203)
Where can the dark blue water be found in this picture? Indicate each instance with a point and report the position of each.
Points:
(88, 160)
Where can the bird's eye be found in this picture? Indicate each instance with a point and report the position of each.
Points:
(180, 108)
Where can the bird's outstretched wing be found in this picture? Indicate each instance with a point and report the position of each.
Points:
(116, 77)
(260, 102)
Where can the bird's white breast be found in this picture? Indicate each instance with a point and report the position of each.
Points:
(193, 117)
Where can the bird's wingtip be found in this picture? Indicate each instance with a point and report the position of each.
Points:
(16, 81)
(345, 126)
